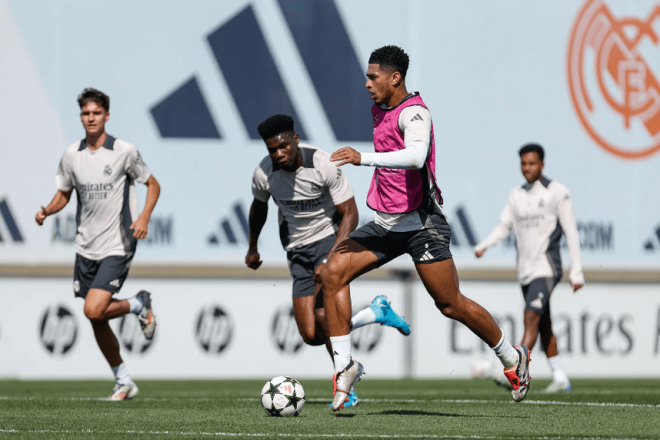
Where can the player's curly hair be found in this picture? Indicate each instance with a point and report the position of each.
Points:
(391, 57)
(92, 95)
(528, 148)
(275, 125)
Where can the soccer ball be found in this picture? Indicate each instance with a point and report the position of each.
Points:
(482, 369)
(283, 396)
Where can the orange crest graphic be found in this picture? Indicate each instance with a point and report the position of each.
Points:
(611, 76)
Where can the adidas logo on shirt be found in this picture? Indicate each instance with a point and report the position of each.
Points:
(417, 117)
(426, 257)
(114, 283)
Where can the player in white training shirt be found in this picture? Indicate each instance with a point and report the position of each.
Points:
(316, 211)
(538, 213)
(102, 170)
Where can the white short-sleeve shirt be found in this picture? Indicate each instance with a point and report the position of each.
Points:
(306, 198)
(107, 201)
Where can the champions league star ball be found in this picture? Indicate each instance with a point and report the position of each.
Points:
(283, 396)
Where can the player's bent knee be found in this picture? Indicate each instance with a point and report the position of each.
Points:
(94, 313)
(331, 276)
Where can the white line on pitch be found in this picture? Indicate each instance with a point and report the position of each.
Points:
(535, 402)
(157, 399)
(241, 434)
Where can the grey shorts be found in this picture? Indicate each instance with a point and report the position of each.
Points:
(537, 294)
(426, 245)
(302, 263)
(107, 274)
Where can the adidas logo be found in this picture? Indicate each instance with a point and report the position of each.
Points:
(114, 283)
(256, 84)
(427, 256)
(228, 231)
(417, 117)
(10, 223)
(538, 302)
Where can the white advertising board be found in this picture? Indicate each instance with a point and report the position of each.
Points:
(183, 89)
(244, 329)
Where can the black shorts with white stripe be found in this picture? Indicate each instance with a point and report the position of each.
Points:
(426, 245)
(107, 274)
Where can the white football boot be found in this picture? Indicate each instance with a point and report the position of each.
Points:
(558, 386)
(343, 382)
(123, 392)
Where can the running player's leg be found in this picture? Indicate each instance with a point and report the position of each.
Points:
(349, 261)
(308, 319)
(429, 249)
(531, 322)
(96, 304)
(441, 281)
(560, 381)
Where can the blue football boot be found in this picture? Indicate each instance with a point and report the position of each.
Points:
(386, 316)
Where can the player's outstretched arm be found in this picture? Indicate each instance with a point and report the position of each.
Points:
(141, 225)
(258, 216)
(56, 205)
(499, 232)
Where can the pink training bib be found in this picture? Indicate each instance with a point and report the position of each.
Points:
(397, 191)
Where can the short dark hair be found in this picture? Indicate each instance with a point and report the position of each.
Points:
(92, 95)
(528, 148)
(275, 125)
(392, 57)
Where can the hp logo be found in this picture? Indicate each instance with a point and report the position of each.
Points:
(58, 330)
(285, 332)
(214, 329)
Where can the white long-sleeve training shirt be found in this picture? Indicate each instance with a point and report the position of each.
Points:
(538, 213)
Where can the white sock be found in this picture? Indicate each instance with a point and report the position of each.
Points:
(558, 373)
(506, 353)
(341, 347)
(363, 317)
(121, 374)
(136, 304)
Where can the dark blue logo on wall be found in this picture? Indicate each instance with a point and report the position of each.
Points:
(256, 85)
(653, 243)
(227, 233)
(10, 223)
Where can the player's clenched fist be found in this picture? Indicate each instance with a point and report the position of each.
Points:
(253, 260)
(41, 216)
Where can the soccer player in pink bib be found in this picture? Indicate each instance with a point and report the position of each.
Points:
(408, 218)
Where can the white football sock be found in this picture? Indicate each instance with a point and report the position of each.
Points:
(363, 317)
(121, 374)
(506, 353)
(136, 304)
(341, 347)
(558, 374)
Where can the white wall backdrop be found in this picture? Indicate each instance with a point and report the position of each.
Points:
(241, 329)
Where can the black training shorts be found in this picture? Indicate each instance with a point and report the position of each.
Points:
(302, 263)
(426, 245)
(107, 274)
(537, 294)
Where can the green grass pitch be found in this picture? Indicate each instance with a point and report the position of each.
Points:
(443, 409)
